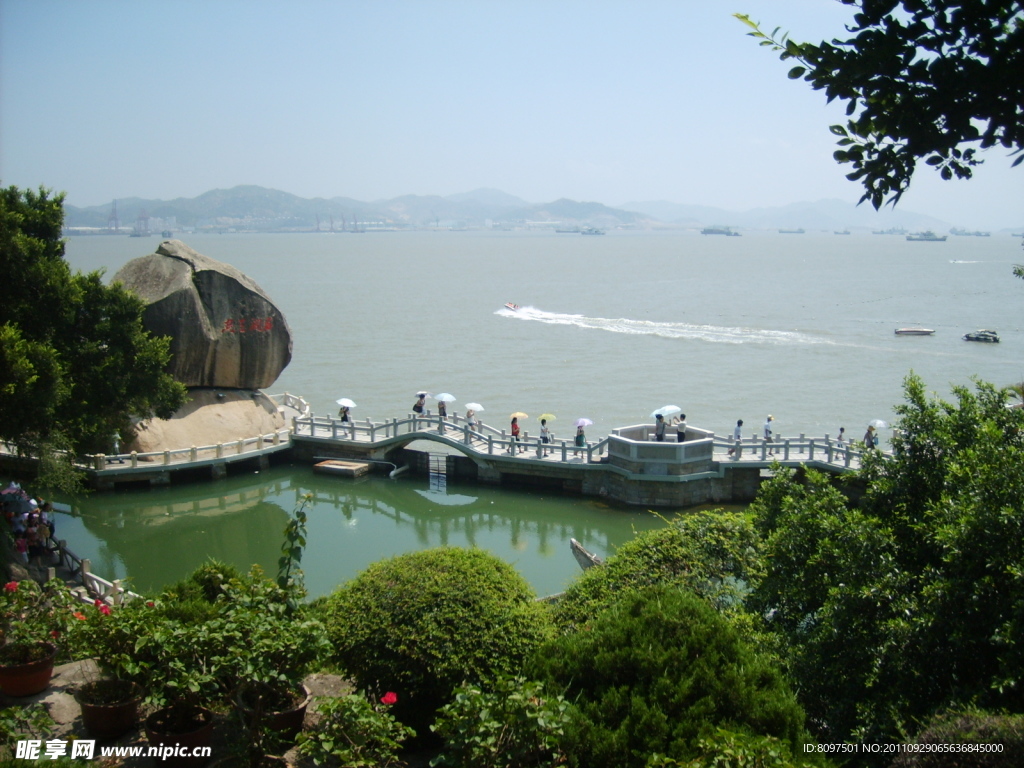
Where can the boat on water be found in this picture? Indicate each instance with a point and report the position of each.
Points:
(727, 231)
(791, 231)
(843, 232)
(893, 231)
(984, 335)
(591, 231)
(926, 237)
(585, 558)
(914, 331)
(510, 305)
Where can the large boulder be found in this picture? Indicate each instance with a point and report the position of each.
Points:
(225, 331)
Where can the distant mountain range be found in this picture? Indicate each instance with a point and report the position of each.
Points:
(252, 208)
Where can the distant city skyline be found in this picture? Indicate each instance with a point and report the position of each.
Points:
(610, 102)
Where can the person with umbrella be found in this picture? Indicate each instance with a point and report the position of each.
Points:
(659, 428)
(471, 420)
(515, 434)
(870, 439)
(421, 401)
(344, 414)
(581, 437)
(442, 408)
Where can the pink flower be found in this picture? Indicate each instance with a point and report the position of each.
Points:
(389, 698)
(11, 586)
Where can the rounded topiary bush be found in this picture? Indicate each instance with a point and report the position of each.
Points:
(713, 554)
(655, 672)
(422, 623)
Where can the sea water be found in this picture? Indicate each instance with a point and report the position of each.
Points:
(609, 328)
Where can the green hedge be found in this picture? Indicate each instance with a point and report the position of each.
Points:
(422, 623)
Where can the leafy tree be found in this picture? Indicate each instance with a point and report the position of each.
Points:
(78, 363)
(912, 601)
(922, 79)
(657, 671)
(712, 554)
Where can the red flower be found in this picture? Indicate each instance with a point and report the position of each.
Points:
(150, 603)
(54, 633)
(105, 609)
(97, 602)
(11, 586)
(389, 698)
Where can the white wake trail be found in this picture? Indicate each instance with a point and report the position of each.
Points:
(714, 333)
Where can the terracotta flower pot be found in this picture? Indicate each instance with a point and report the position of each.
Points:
(109, 707)
(24, 678)
(182, 729)
(286, 721)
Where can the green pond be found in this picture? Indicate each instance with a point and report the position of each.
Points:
(156, 536)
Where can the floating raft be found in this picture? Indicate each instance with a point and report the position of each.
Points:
(343, 468)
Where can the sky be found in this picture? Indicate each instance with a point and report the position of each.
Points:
(612, 101)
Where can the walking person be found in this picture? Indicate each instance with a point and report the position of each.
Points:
(768, 433)
(474, 425)
(870, 438)
(515, 435)
(737, 435)
(442, 412)
(421, 401)
(680, 422)
(344, 416)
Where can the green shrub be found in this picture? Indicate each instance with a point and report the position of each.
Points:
(198, 652)
(655, 671)
(510, 724)
(713, 554)
(980, 729)
(422, 623)
(355, 733)
(728, 749)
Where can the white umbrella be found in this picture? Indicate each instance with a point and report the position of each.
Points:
(666, 411)
(583, 422)
(474, 407)
(878, 424)
(423, 393)
(345, 402)
(444, 397)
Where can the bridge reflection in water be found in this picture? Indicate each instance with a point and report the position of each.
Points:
(158, 535)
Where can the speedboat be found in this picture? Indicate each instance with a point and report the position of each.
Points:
(914, 331)
(983, 335)
(510, 305)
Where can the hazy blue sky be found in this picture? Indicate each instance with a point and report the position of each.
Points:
(608, 101)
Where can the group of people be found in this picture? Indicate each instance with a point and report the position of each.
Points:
(660, 426)
(30, 520)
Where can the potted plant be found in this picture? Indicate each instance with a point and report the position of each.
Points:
(31, 620)
(109, 707)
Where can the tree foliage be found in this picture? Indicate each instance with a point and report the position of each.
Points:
(913, 600)
(927, 80)
(712, 554)
(78, 363)
(657, 671)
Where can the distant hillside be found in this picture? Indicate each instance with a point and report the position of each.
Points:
(261, 209)
(253, 208)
